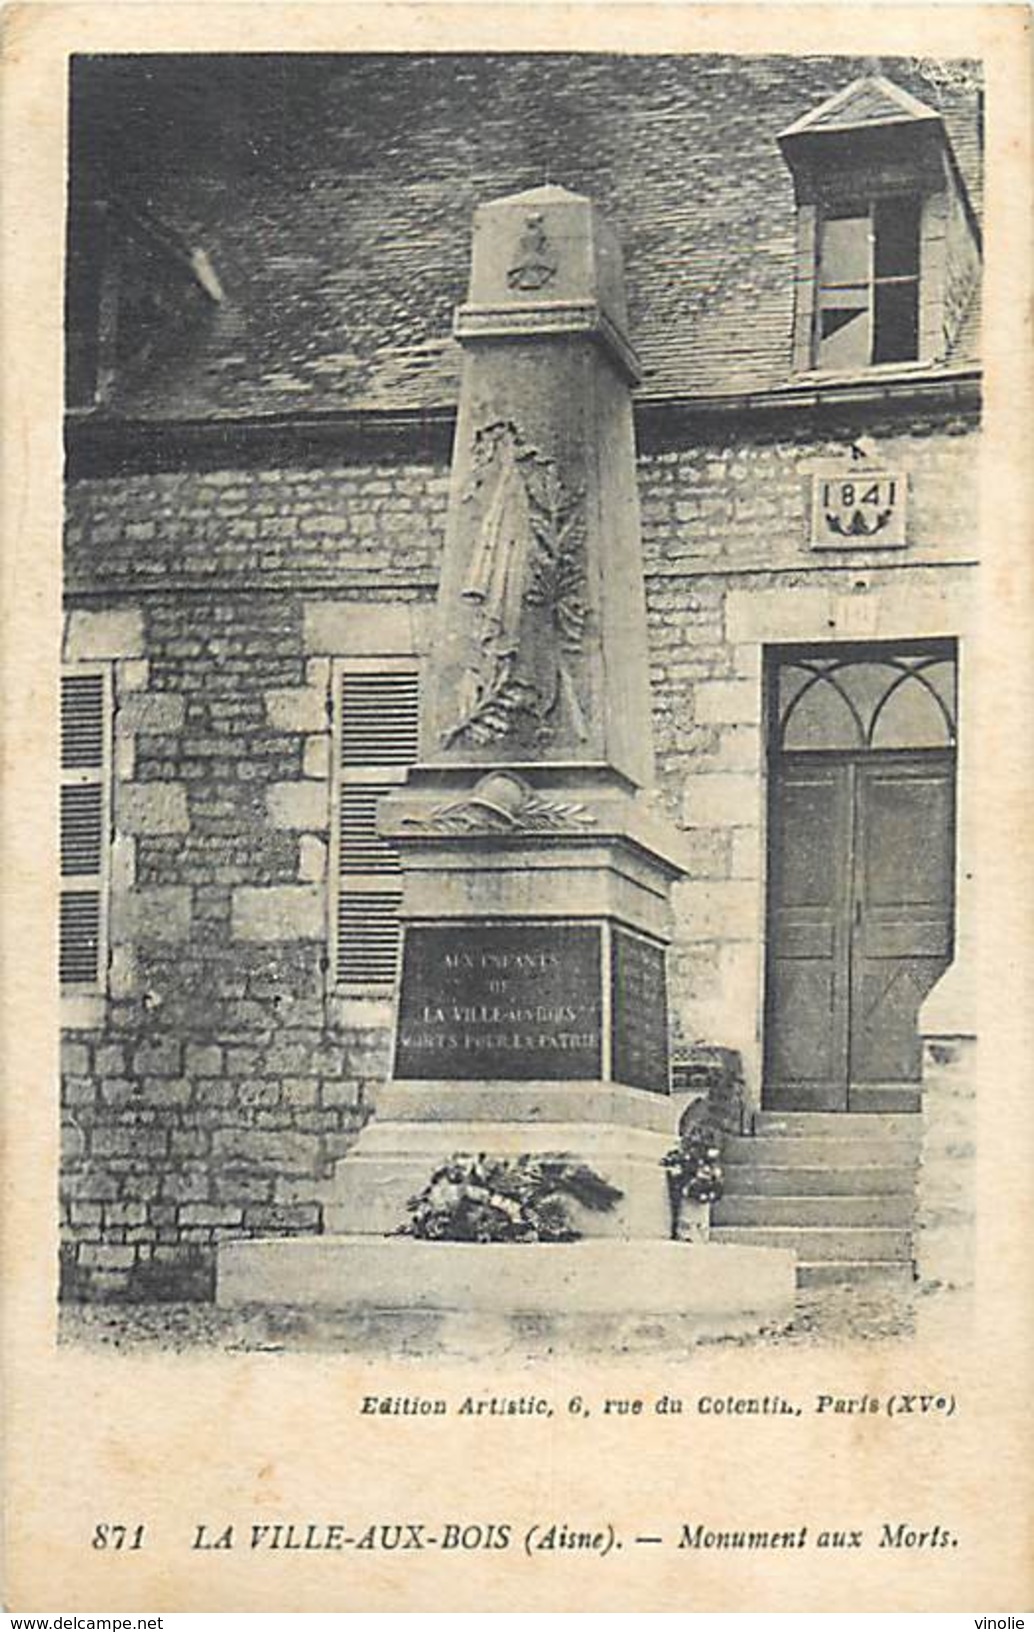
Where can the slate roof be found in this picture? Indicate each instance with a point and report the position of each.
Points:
(871, 100)
(334, 196)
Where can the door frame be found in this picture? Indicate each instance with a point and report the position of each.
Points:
(866, 1096)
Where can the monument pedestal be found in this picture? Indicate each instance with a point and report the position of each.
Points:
(535, 925)
(621, 1133)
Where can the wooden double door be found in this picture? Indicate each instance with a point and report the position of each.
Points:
(861, 910)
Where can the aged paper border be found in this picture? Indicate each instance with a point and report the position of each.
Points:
(175, 1440)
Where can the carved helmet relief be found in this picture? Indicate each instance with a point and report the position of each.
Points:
(524, 596)
(504, 803)
(535, 262)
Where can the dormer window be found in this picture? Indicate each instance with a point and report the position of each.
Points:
(136, 290)
(867, 307)
(888, 247)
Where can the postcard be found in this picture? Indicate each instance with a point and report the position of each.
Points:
(516, 808)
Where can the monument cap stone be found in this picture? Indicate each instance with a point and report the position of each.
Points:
(546, 262)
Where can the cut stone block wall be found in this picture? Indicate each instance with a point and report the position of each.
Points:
(945, 1215)
(211, 1092)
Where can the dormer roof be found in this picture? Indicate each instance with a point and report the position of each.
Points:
(873, 124)
(866, 102)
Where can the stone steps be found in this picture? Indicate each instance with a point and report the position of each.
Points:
(827, 1150)
(855, 1272)
(838, 1188)
(823, 1211)
(767, 1178)
(842, 1124)
(819, 1243)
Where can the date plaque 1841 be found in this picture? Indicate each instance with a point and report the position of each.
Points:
(515, 1002)
(859, 509)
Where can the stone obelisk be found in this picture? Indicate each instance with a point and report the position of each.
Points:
(531, 1005)
(531, 1011)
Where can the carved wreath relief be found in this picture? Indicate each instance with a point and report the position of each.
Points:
(524, 591)
(504, 803)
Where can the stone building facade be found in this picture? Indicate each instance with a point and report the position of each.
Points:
(264, 257)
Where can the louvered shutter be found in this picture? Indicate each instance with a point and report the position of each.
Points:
(85, 711)
(377, 735)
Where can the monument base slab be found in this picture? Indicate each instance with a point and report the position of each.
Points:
(708, 1290)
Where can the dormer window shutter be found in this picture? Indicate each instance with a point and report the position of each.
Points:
(888, 246)
(85, 819)
(868, 284)
(377, 709)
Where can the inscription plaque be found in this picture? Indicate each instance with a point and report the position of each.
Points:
(639, 1026)
(510, 1001)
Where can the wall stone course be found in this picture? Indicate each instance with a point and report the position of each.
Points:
(312, 859)
(299, 806)
(184, 1185)
(78, 1091)
(708, 853)
(278, 1150)
(125, 1213)
(746, 858)
(72, 1141)
(299, 709)
(303, 1092)
(86, 1212)
(946, 1202)
(152, 913)
(283, 1219)
(189, 1142)
(155, 711)
(152, 807)
(259, 1094)
(208, 1214)
(727, 702)
(110, 1059)
(162, 1057)
(204, 1059)
(242, 1062)
(340, 1092)
(131, 674)
(242, 1188)
(716, 910)
(721, 799)
(119, 1091)
(75, 1058)
(167, 1092)
(114, 633)
(316, 757)
(90, 1183)
(106, 1256)
(738, 748)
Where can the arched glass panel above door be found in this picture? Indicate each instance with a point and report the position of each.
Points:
(857, 702)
